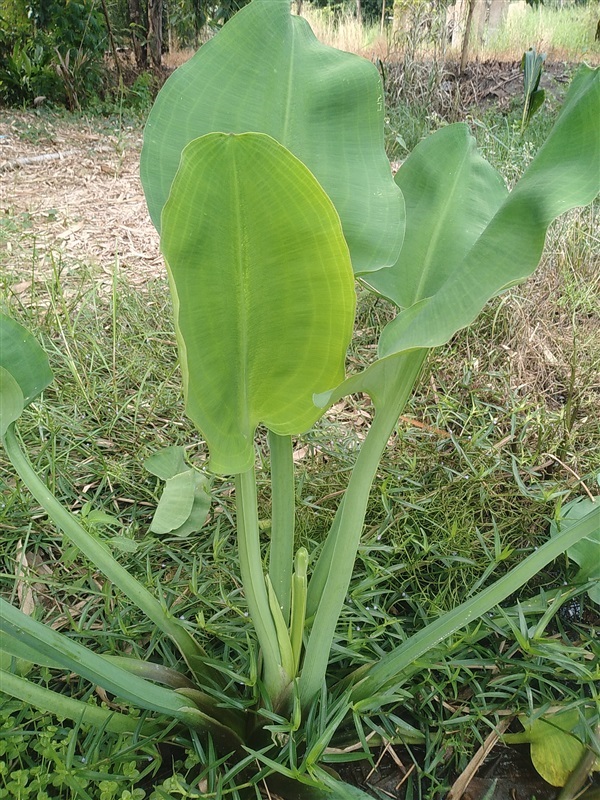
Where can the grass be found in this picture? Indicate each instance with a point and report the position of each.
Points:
(501, 431)
(564, 33)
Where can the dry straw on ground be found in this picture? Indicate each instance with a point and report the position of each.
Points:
(81, 203)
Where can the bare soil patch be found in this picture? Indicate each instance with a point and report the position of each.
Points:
(74, 192)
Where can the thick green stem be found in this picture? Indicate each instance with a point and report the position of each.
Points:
(101, 557)
(321, 569)
(63, 706)
(281, 555)
(253, 581)
(341, 555)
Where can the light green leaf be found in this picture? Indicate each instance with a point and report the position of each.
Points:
(124, 544)
(22, 356)
(11, 401)
(167, 463)
(200, 509)
(263, 291)
(564, 174)
(586, 552)
(555, 747)
(175, 505)
(185, 501)
(266, 72)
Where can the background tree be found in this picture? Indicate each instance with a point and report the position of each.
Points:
(52, 49)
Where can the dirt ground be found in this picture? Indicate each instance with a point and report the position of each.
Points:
(76, 191)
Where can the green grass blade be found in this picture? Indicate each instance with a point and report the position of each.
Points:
(390, 668)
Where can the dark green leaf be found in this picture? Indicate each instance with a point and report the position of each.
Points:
(266, 72)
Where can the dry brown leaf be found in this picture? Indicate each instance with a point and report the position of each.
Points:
(24, 588)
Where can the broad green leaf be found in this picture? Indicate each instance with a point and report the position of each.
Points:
(586, 552)
(263, 291)
(184, 504)
(451, 194)
(564, 174)
(22, 356)
(167, 463)
(11, 401)
(266, 72)
(185, 501)
(555, 747)
(200, 509)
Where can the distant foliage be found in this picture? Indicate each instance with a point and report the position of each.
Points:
(187, 18)
(52, 49)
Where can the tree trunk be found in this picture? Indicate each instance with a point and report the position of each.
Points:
(155, 16)
(299, 7)
(359, 12)
(138, 34)
(111, 40)
(467, 35)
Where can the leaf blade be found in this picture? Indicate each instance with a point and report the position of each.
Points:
(263, 306)
(22, 356)
(563, 175)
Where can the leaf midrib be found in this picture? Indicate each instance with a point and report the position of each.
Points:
(436, 234)
(241, 297)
